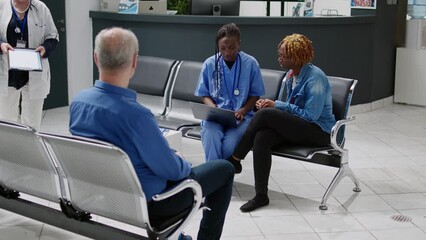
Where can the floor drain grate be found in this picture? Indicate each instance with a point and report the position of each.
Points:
(401, 218)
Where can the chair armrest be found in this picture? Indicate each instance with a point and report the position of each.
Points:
(335, 130)
(198, 196)
(188, 183)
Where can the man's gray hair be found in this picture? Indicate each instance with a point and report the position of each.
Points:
(115, 48)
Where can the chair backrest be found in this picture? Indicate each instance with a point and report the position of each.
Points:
(152, 75)
(272, 81)
(186, 81)
(342, 90)
(100, 178)
(25, 165)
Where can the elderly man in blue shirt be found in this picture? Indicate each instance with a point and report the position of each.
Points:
(109, 112)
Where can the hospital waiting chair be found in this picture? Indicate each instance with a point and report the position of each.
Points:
(152, 81)
(334, 155)
(100, 179)
(25, 165)
(178, 114)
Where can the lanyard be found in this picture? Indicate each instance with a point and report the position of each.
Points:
(22, 23)
(234, 89)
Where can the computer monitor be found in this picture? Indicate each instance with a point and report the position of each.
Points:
(215, 7)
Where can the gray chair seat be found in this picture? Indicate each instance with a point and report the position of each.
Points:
(153, 103)
(192, 132)
(302, 152)
(181, 116)
(319, 155)
(175, 123)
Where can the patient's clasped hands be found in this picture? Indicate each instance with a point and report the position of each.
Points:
(264, 103)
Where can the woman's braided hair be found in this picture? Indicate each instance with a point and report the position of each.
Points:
(298, 48)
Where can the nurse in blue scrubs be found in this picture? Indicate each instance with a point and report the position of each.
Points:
(230, 79)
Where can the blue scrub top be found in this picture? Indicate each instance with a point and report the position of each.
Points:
(244, 75)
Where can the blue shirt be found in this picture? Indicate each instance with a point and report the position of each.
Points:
(110, 113)
(244, 75)
(311, 97)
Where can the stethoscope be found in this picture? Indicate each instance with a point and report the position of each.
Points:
(20, 29)
(236, 80)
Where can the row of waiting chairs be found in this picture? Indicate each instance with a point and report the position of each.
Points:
(85, 177)
(166, 87)
(170, 84)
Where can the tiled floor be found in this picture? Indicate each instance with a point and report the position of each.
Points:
(387, 153)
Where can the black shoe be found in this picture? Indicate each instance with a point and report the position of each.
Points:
(258, 201)
(237, 164)
(182, 236)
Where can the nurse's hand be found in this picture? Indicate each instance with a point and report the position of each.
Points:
(5, 47)
(240, 114)
(42, 50)
(265, 103)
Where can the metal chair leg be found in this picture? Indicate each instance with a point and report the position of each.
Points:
(343, 171)
(351, 175)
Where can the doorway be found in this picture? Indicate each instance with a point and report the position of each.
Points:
(58, 96)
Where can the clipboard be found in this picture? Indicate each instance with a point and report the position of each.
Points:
(24, 59)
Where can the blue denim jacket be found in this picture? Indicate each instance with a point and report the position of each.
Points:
(311, 97)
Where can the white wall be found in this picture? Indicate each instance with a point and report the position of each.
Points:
(252, 8)
(79, 44)
(258, 8)
(343, 7)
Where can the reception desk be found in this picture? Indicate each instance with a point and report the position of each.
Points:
(344, 46)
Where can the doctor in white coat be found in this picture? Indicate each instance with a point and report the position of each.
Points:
(25, 24)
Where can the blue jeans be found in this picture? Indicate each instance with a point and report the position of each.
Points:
(219, 142)
(216, 179)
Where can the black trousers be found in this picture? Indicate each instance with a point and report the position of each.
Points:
(270, 127)
(216, 179)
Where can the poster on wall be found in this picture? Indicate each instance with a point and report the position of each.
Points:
(363, 4)
(128, 6)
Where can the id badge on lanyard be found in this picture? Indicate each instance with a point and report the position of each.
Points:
(21, 43)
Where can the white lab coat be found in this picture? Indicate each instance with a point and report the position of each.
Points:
(40, 27)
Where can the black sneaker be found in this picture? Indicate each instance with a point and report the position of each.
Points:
(182, 236)
(258, 201)
(237, 164)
